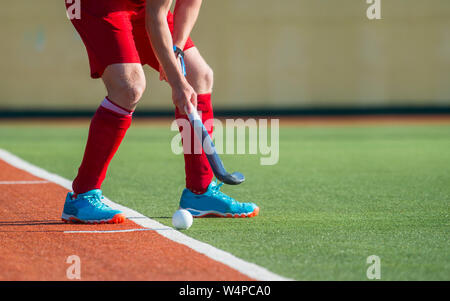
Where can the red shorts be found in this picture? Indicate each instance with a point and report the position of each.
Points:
(113, 31)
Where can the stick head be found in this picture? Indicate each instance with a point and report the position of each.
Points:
(235, 178)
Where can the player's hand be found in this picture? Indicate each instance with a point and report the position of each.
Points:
(184, 96)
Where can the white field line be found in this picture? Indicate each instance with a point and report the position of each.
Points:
(22, 182)
(247, 268)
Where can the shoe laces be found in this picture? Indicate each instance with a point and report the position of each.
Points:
(220, 194)
(96, 201)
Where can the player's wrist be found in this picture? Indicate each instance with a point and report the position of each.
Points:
(176, 81)
(178, 51)
(179, 54)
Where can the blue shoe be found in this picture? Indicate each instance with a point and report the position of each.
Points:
(87, 208)
(215, 203)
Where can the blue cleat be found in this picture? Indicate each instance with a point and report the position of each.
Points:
(215, 203)
(88, 208)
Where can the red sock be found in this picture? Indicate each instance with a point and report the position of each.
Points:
(198, 171)
(106, 132)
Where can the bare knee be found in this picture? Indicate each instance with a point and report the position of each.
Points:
(208, 79)
(202, 80)
(199, 74)
(128, 92)
(125, 84)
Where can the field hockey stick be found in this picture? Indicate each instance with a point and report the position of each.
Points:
(214, 160)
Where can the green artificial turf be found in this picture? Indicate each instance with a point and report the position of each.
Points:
(336, 196)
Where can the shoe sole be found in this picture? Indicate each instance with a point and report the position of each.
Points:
(116, 219)
(201, 214)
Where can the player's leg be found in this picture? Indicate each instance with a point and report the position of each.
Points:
(198, 73)
(200, 77)
(125, 84)
(202, 197)
(112, 54)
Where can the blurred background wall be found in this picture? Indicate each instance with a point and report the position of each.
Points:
(266, 54)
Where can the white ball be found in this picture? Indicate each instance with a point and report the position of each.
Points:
(182, 219)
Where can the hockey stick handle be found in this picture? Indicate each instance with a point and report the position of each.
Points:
(200, 131)
(206, 141)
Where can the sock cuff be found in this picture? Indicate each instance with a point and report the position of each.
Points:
(110, 105)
